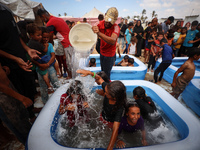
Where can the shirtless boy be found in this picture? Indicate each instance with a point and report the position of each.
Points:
(188, 69)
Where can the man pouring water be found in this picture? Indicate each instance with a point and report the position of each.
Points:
(108, 31)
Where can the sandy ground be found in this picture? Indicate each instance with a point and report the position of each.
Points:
(9, 142)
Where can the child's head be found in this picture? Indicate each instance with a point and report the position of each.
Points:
(133, 40)
(45, 35)
(34, 32)
(183, 30)
(126, 57)
(149, 24)
(132, 112)
(103, 75)
(160, 35)
(163, 41)
(130, 61)
(194, 25)
(139, 93)
(130, 25)
(75, 88)
(154, 31)
(194, 52)
(116, 91)
(170, 36)
(179, 29)
(92, 62)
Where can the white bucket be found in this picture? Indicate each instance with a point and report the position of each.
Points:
(82, 37)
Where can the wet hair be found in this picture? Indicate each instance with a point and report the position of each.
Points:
(42, 11)
(126, 57)
(100, 17)
(141, 94)
(75, 87)
(164, 40)
(103, 75)
(130, 104)
(134, 39)
(117, 90)
(184, 28)
(195, 23)
(32, 28)
(160, 33)
(92, 61)
(131, 60)
(193, 51)
(130, 24)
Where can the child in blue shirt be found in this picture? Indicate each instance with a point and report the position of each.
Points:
(188, 43)
(167, 56)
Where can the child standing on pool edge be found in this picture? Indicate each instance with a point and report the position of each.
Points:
(73, 99)
(188, 69)
(113, 104)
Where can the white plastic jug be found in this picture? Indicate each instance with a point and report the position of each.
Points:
(82, 37)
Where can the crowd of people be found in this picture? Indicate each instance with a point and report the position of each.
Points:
(46, 55)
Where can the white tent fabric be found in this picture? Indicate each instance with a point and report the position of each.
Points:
(94, 13)
(21, 8)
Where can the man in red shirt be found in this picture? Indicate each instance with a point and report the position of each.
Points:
(108, 31)
(60, 28)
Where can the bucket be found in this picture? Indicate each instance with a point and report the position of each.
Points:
(82, 37)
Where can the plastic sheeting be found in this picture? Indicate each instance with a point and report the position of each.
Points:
(22, 8)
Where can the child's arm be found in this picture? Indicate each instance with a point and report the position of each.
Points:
(114, 135)
(177, 72)
(129, 48)
(144, 142)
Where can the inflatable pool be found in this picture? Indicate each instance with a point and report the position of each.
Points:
(137, 72)
(191, 95)
(176, 63)
(188, 126)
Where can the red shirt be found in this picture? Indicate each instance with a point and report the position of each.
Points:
(60, 29)
(106, 49)
(65, 100)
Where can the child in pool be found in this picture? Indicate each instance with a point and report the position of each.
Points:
(147, 106)
(35, 34)
(124, 61)
(50, 51)
(74, 99)
(188, 69)
(92, 62)
(130, 62)
(131, 122)
(113, 103)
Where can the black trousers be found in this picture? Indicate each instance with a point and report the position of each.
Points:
(152, 62)
(161, 69)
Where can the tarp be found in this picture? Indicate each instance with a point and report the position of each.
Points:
(22, 8)
(94, 13)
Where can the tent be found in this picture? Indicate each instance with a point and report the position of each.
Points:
(94, 13)
(24, 9)
(92, 17)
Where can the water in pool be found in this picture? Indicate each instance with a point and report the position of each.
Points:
(94, 134)
(178, 63)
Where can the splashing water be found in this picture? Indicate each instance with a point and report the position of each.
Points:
(94, 134)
